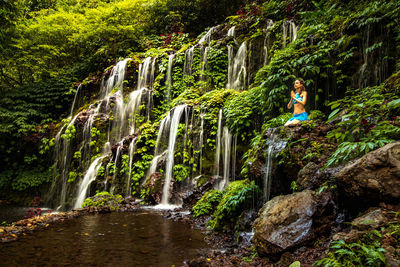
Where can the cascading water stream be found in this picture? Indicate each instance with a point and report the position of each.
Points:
(218, 145)
(169, 75)
(275, 145)
(115, 80)
(132, 149)
(289, 31)
(237, 68)
(153, 165)
(204, 52)
(189, 55)
(75, 98)
(224, 148)
(89, 177)
(117, 154)
(201, 137)
(267, 41)
(171, 148)
(227, 145)
(132, 109)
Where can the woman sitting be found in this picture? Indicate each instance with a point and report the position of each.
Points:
(298, 99)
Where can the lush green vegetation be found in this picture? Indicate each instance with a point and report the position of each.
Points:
(367, 251)
(104, 199)
(227, 206)
(207, 204)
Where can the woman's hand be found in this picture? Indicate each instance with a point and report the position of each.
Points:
(304, 96)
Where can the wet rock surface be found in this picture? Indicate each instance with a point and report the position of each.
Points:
(154, 184)
(374, 177)
(290, 221)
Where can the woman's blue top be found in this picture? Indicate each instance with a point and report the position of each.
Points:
(298, 97)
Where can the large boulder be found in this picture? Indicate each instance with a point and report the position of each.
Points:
(374, 177)
(287, 222)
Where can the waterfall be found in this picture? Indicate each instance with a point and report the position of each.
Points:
(169, 75)
(275, 145)
(203, 63)
(171, 148)
(117, 154)
(224, 142)
(135, 98)
(189, 55)
(227, 145)
(234, 157)
(237, 68)
(146, 74)
(153, 165)
(89, 177)
(207, 37)
(75, 97)
(63, 154)
(201, 137)
(204, 52)
(62, 160)
(115, 79)
(267, 41)
(132, 149)
(231, 33)
(218, 145)
(289, 30)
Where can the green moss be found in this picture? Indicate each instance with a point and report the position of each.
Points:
(207, 203)
(104, 199)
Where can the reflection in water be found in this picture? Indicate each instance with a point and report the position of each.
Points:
(132, 239)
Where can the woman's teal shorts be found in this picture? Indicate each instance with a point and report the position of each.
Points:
(301, 117)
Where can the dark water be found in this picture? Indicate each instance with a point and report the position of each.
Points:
(12, 213)
(119, 239)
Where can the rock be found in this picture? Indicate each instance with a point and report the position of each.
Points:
(375, 177)
(311, 177)
(371, 220)
(349, 237)
(307, 176)
(155, 184)
(289, 221)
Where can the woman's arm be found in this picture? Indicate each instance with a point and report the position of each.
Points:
(304, 98)
(290, 104)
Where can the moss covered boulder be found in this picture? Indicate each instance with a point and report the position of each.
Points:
(103, 201)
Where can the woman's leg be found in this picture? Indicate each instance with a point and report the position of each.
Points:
(292, 122)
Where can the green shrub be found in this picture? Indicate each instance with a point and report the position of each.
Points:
(317, 115)
(368, 121)
(30, 178)
(207, 203)
(181, 172)
(354, 254)
(278, 121)
(237, 197)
